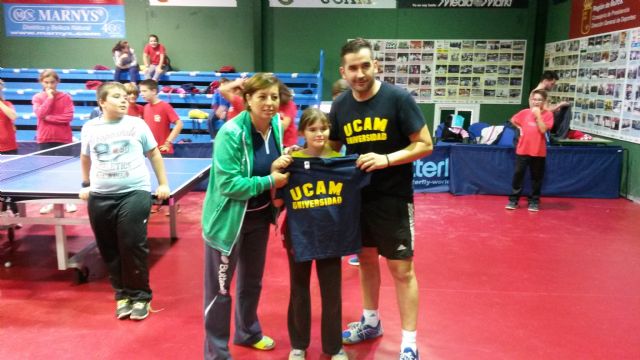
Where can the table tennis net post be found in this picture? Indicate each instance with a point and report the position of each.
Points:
(19, 165)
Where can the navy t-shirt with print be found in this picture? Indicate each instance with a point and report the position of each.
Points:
(382, 125)
(323, 206)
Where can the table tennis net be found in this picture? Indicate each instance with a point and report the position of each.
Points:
(15, 166)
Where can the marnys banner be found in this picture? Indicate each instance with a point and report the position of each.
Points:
(64, 18)
(342, 4)
(202, 3)
(462, 4)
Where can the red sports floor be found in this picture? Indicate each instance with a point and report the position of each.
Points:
(563, 283)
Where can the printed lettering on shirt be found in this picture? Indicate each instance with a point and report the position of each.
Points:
(366, 130)
(157, 118)
(318, 194)
(108, 166)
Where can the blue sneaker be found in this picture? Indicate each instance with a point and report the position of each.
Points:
(409, 354)
(354, 260)
(359, 331)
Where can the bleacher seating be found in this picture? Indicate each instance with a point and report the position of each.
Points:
(22, 83)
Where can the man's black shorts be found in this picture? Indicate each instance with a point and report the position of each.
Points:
(387, 224)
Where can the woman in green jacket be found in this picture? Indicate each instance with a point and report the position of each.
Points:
(237, 213)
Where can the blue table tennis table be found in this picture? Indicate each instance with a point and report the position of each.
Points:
(56, 180)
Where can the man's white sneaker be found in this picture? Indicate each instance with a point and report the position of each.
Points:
(70, 208)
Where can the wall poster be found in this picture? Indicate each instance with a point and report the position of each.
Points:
(91, 19)
(599, 75)
(469, 71)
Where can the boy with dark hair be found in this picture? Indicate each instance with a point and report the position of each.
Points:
(395, 136)
(159, 116)
(547, 83)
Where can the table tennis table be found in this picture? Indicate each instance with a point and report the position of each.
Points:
(56, 180)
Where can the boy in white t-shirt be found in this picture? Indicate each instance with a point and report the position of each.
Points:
(117, 187)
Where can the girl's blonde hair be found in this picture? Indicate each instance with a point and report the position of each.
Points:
(131, 88)
(310, 116)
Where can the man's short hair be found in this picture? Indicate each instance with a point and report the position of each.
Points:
(549, 75)
(354, 46)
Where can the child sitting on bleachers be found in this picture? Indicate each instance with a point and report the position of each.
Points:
(155, 58)
(124, 59)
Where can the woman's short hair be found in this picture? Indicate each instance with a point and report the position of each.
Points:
(49, 73)
(257, 82)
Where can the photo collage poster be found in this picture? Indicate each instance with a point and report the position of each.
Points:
(599, 76)
(454, 71)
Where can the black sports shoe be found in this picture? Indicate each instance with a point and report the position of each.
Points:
(512, 205)
(533, 207)
(123, 308)
(140, 310)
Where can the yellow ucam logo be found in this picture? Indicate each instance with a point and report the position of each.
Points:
(318, 194)
(353, 129)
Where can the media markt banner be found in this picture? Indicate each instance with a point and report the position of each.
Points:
(64, 18)
(462, 4)
(342, 4)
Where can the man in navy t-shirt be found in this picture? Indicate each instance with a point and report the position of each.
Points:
(384, 124)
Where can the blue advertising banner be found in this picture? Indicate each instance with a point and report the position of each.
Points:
(431, 173)
(64, 19)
